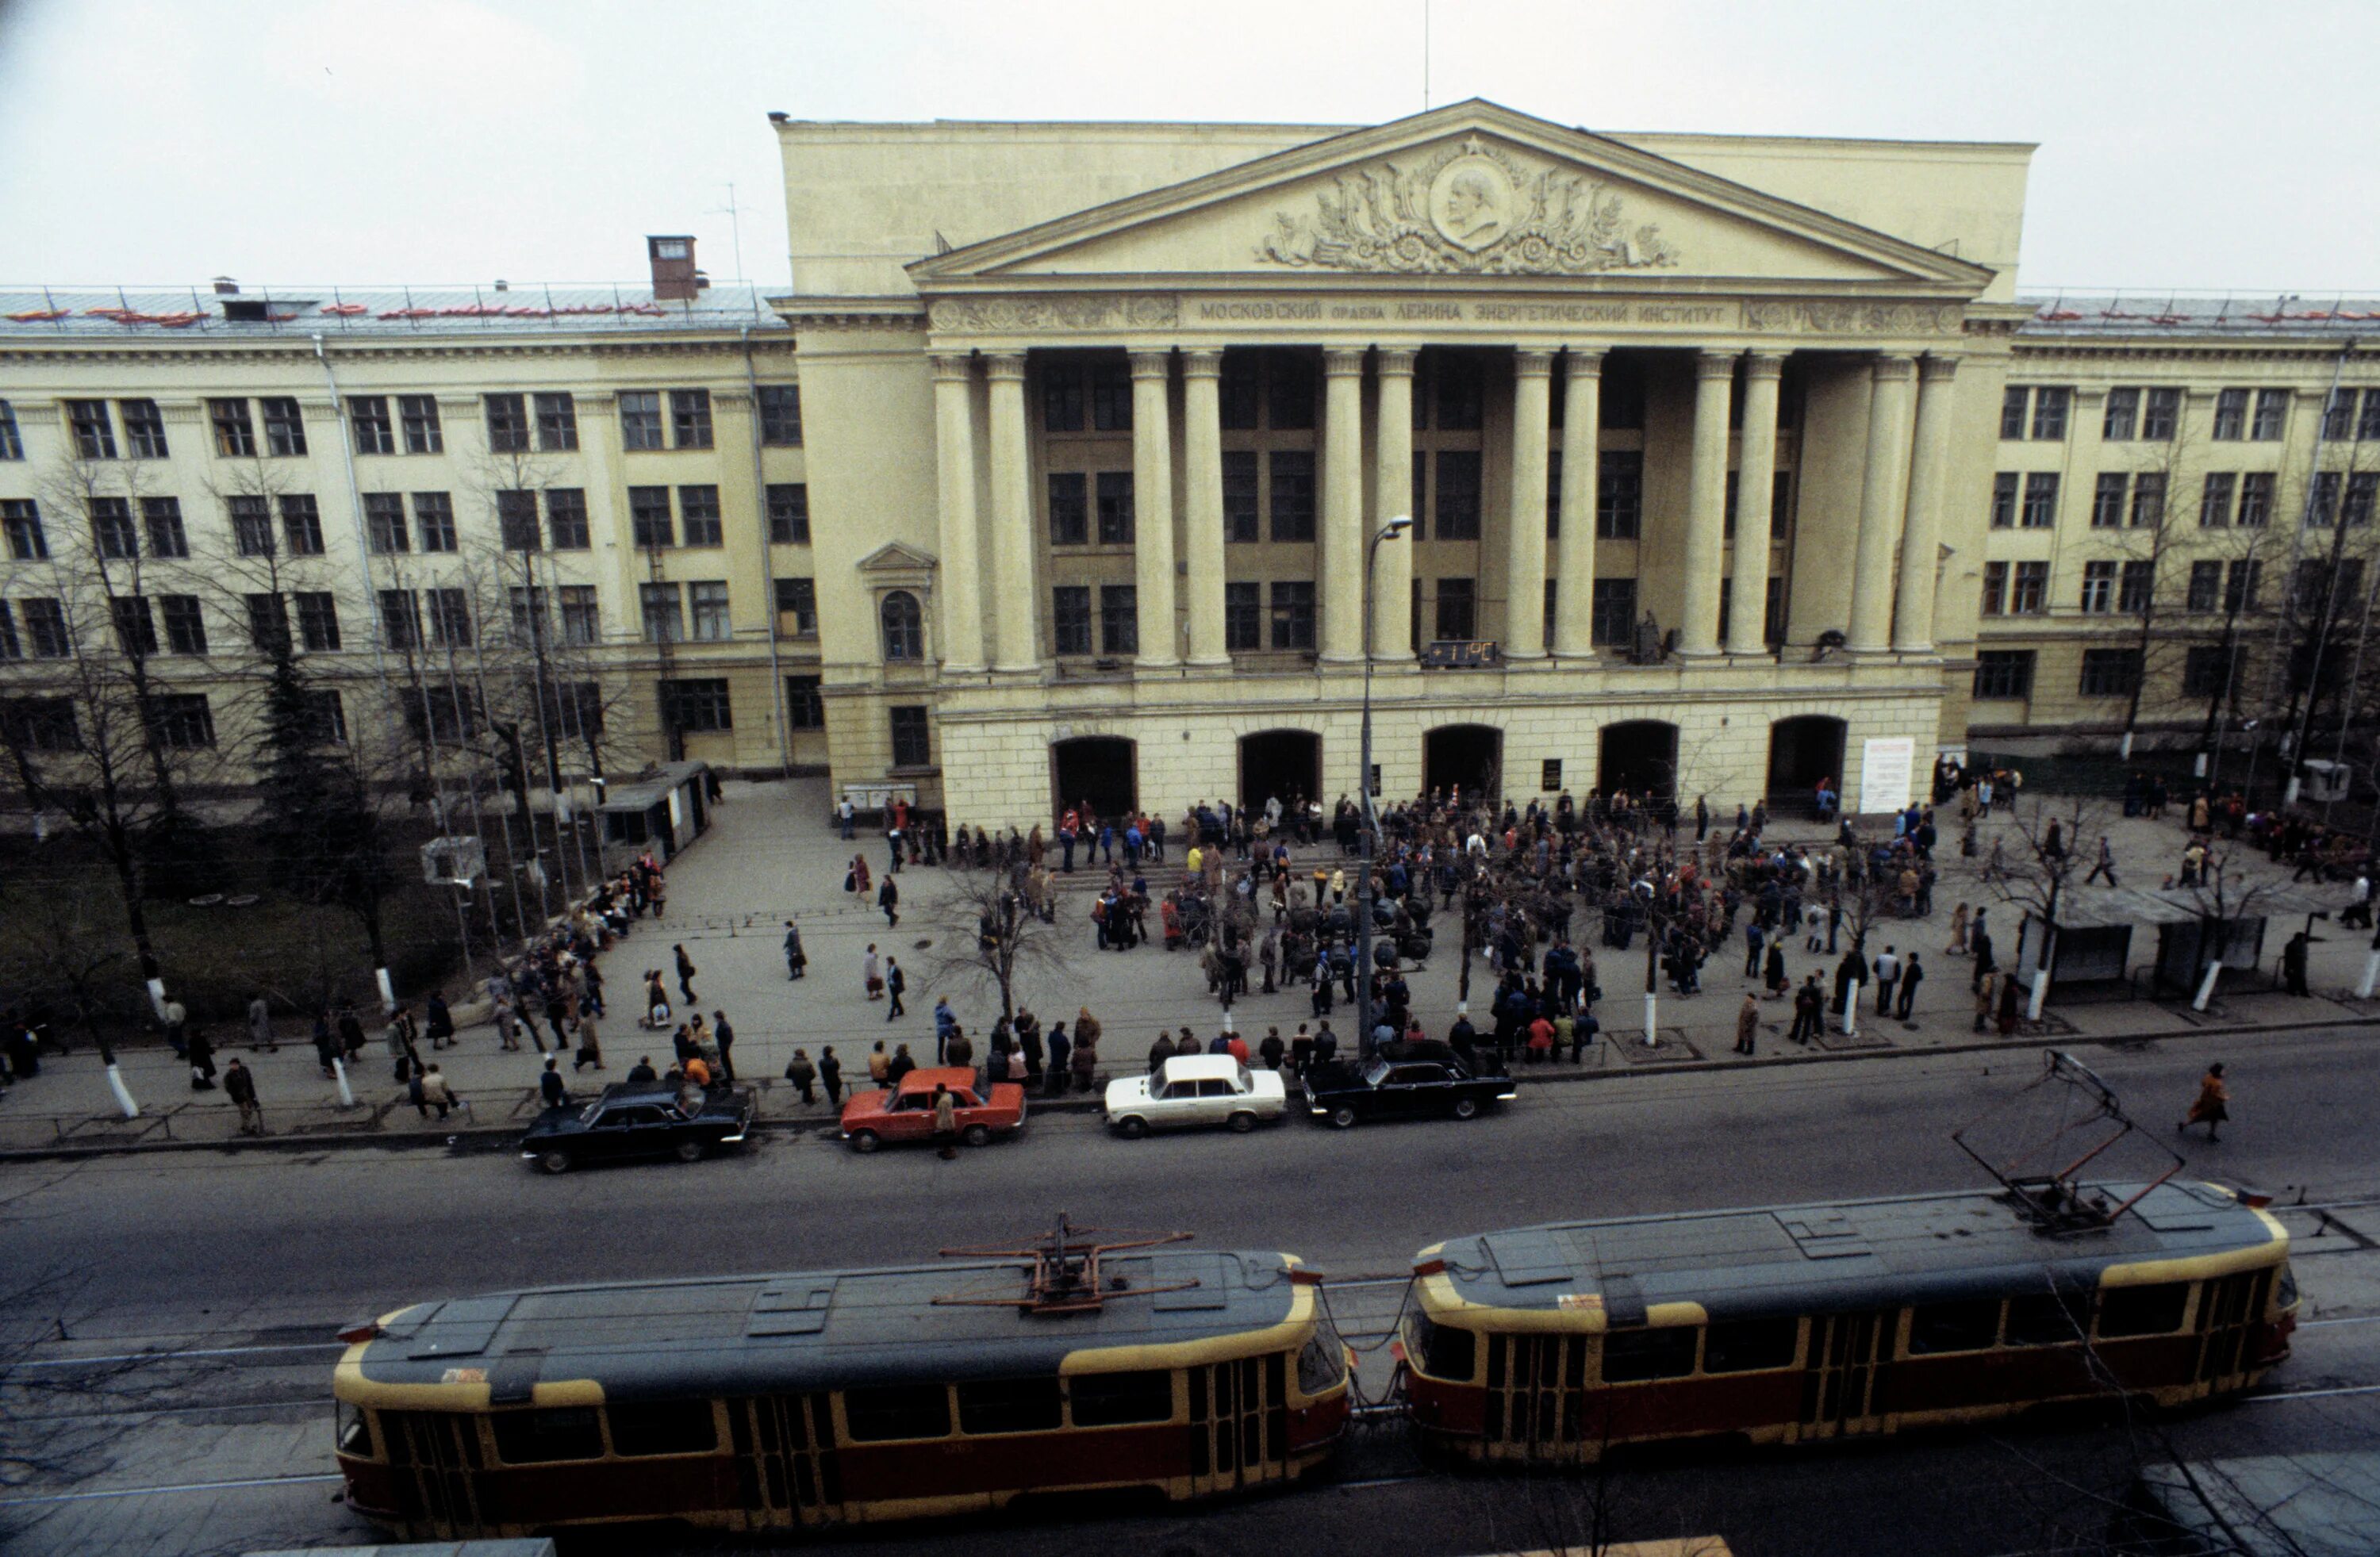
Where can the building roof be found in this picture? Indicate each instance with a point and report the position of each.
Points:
(2225, 315)
(807, 1330)
(521, 308)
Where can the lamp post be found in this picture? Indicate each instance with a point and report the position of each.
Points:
(1390, 531)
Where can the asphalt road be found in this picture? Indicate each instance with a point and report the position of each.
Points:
(274, 1250)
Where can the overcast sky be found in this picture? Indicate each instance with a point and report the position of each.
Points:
(2187, 144)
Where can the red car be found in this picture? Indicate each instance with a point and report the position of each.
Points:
(873, 1117)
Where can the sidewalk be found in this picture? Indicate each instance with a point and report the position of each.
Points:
(771, 857)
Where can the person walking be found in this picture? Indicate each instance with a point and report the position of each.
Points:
(685, 971)
(551, 1089)
(1911, 977)
(888, 897)
(871, 973)
(1887, 974)
(590, 1046)
(1747, 1023)
(177, 1020)
(802, 1074)
(200, 1052)
(797, 962)
(1958, 931)
(946, 1123)
(830, 1071)
(896, 982)
(239, 1085)
(1061, 1050)
(1988, 994)
(1809, 1005)
(259, 1024)
(2105, 865)
(437, 1020)
(2212, 1106)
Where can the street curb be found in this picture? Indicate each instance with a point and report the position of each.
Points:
(486, 1139)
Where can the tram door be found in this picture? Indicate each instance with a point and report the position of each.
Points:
(2227, 1308)
(434, 1457)
(1239, 1423)
(785, 1468)
(1838, 1381)
(1535, 1394)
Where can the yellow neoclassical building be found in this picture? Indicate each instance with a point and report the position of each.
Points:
(1066, 466)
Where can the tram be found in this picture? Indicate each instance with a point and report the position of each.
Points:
(759, 1403)
(1551, 1345)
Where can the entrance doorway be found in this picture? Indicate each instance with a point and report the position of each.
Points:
(1466, 756)
(1640, 757)
(1097, 770)
(1280, 764)
(1802, 751)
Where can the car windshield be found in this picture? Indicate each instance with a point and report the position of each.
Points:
(587, 1115)
(1376, 1073)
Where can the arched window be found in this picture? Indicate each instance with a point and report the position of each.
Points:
(905, 633)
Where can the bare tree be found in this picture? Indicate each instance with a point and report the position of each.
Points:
(2039, 879)
(985, 935)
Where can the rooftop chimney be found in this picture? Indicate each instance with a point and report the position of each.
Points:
(673, 272)
(226, 287)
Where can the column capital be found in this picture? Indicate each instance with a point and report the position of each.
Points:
(1889, 368)
(1394, 361)
(1934, 370)
(1533, 363)
(953, 367)
(1151, 362)
(1202, 364)
(1005, 367)
(1763, 365)
(1714, 365)
(1584, 359)
(1342, 364)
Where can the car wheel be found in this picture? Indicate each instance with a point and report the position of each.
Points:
(1466, 1107)
(555, 1162)
(1242, 1123)
(1343, 1118)
(864, 1141)
(1132, 1129)
(690, 1151)
(977, 1135)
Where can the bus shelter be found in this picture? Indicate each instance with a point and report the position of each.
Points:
(661, 813)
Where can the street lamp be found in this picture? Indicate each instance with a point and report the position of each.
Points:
(1390, 531)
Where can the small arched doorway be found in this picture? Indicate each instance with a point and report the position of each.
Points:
(1466, 756)
(1803, 750)
(1285, 765)
(1101, 772)
(1640, 757)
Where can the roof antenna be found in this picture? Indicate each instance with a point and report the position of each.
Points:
(734, 228)
(1425, 55)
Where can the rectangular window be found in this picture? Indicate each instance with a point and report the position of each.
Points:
(1459, 391)
(2142, 1310)
(539, 1437)
(516, 520)
(789, 514)
(1292, 614)
(144, 428)
(2208, 670)
(912, 745)
(2272, 416)
(2363, 489)
(112, 534)
(805, 708)
(557, 423)
(2031, 595)
(1119, 618)
(2256, 500)
(2098, 587)
(659, 602)
(252, 527)
(1110, 397)
(898, 1411)
(2123, 416)
(1996, 577)
(301, 522)
(1117, 1399)
(1971, 1325)
(2049, 414)
(40, 724)
(268, 624)
(20, 519)
(566, 519)
(1242, 518)
(1070, 508)
(45, 628)
(2004, 500)
(2323, 510)
(186, 625)
(368, 425)
(2107, 500)
(797, 598)
(2012, 412)
(2339, 416)
(708, 602)
(284, 425)
(581, 623)
(1062, 397)
(2367, 426)
(384, 522)
(2110, 672)
(1458, 494)
(2003, 673)
(675, 1427)
(318, 620)
(136, 631)
(1115, 507)
(1241, 395)
(781, 415)
(2241, 582)
(2214, 500)
(235, 434)
(93, 430)
(449, 618)
(1009, 1406)
(2205, 585)
(418, 416)
(1243, 617)
(1070, 617)
(640, 419)
(183, 721)
(697, 510)
(2161, 414)
(442, 715)
(2138, 584)
(698, 707)
(1289, 390)
(2148, 500)
(1750, 1346)
(1290, 500)
(1553, 494)
(650, 525)
(1458, 608)
(12, 442)
(11, 646)
(2230, 413)
(1614, 624)
(434, 521)
(2040, 509)
(690, 419)
(162, 517)
(1632, 1356)
(1619, 494)
(507, 422)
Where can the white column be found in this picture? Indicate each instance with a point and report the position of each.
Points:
(1343, 506)
(1152, 507)
(1202, 455)
(962, 581)
(1525, 523)
(1912, 619)
(1755, 472)
(1574, 629)
(1392, 495)
(1017, 609)
(1706, 504)
(1883, 497)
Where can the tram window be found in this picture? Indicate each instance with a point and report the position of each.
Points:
(1113, 1399)
(2048, 1319)
(664, 1427)
(534, 1437)
(2287, 1298)
(1749, 1343)
(1009, 1406)
(1442, 1351)
(1630, 1356)
(2142, 1310)
(355, 1437)
(898, 1411)
(1970, 1326)
(1323, 1362)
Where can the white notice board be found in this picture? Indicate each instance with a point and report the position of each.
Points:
(1886, 767)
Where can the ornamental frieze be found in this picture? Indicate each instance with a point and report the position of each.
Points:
(1856, 319)
(1471, 210)
(997, 315)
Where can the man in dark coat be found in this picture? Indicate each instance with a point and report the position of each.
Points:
(239, 1085)
(1911, 977)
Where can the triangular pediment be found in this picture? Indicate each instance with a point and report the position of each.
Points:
(1472, 189)
(894, 556)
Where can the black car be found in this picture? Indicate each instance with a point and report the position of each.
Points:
(1407, 1081)
(639, 1119)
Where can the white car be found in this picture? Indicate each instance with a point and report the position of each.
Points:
(1194, 1090)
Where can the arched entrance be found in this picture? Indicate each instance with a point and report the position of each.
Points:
(1466, 756)
(1802, 751)
(1101, 770)
(1640, 757)
(1280, 764)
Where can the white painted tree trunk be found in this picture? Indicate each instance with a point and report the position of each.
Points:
(2206, 986)
(157, 997)
(339, 1071)
(123, 1093)
(2370, 977)
(2040, 994)
(2124, 747)
(387, 992)
(1651, 1020)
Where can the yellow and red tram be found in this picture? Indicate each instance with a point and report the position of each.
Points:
(844, 1396)
(1551, 1344)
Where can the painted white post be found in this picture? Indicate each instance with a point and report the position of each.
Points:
(157, 997)
(123, 1093)
(2206, 985)
(1651, 1020)
(347, 1093)
(2040, 994)
(2124, 747)
(2198, 765)
(1850, 1010)
(2370, 976)
(387, 992)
